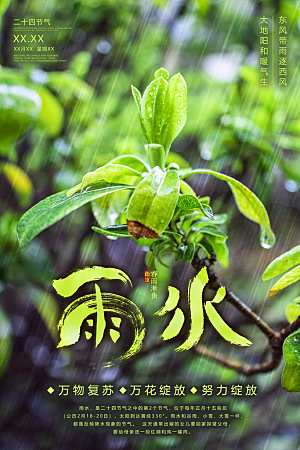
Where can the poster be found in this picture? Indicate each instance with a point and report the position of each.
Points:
(67, 109)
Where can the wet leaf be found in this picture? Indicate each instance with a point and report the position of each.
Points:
(186, 188)
(282, 263)
(188, 202)
(162, 108)
(106, 172)
(293, 310)
(214, 231)
(288, 279)
(135, 162)
(162, 73)
(3, 6)
(186, 252)
(113, 230)
(220, 249)
(176, 112)
(152, 205)
(291, 373)
(248, 204)
(53, 208)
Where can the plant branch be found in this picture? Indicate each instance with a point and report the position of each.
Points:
(240, 366)
(276, 339)
(215, 284)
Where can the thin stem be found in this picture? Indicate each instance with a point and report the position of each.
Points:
(215, 284)
(276, 339)
(239, 366)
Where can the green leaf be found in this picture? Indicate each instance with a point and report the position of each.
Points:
(138, 101)
(5, 340)
(248, 204)
(137, 98)
(196, 233)
(80, 63)
(176, 101)
(292, 311)
(107, 210)
(159, 111)
(3, 6)
(113, 230)
(162, 73)
(185, 187)
(214, 231)
(19, 108)
(220, 249)
(135, 162)
(282, 263)
(291, 373)
(51, 116)
(171, 234)
(206, 247)
(186, 252)
(182, 163)
(53, 208)
(288, 279)
(106, 172)
(153, 109)
(198, 222)
(188, 202)
(20, 182)
(162, 108)
(152, 205)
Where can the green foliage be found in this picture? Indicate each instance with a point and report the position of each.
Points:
(180, 223)
(5, 340)
(293, 310)
(113, 231)
(57, 206)
(19, 108)
(281, 264)
(162, 109)
(80, 64)
(172, 222)
(51, 116)
(3, 6)
(291, 372)
(290, 377)
(248, 204)
(247, 132)
(152, 205)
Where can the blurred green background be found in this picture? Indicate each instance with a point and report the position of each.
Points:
(61, 120)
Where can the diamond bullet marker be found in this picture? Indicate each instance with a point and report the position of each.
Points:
(50, 390)
(122, 390)
(194, 390)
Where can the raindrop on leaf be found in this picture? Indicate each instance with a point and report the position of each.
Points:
(267, 238)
